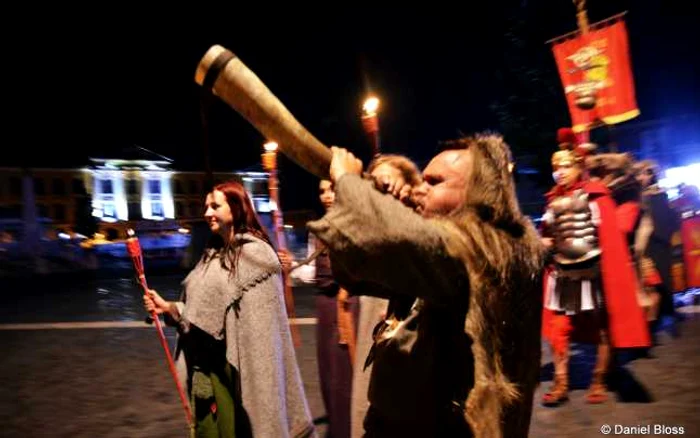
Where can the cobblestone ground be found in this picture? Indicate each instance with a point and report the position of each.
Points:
(661, 390)
(113, 382)
(100, 383)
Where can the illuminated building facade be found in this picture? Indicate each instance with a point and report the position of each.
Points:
(142, 192)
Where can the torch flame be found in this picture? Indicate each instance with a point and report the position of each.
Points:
(270, 146)
(371, 106)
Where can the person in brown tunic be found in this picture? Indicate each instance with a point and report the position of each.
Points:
(459, 354)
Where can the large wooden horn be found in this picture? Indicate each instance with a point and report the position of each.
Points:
(229, 79)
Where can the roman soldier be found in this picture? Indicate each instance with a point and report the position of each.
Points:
(591, 287)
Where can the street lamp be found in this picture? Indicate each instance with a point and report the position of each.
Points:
(370, 122)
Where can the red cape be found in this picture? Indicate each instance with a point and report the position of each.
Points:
(628, 216)
(626, 321)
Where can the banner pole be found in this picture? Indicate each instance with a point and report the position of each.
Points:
(593, 26)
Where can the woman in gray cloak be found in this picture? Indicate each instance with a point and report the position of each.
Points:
(234, 339)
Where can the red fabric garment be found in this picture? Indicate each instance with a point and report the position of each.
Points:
(628, 216)
(582, 327)
(651, 278)
(626, 321)
(560, 329)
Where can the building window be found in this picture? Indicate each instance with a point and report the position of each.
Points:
(157, 209)
(261, 204)
(59, 212)
(108, 209)
(39, 187)
(258, 187)
(58, 187)
(78, 186)
(194, 187)
(179, 209)
(106, 186)
(178, 187)
(154, 186)
(43, 211)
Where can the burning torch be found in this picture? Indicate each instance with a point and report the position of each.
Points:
(133, 247)
(370, 122)
(269, 161)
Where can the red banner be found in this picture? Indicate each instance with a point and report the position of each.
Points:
(598, 62)
(690, 235)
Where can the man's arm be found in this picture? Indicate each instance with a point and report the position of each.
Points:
(374, 238)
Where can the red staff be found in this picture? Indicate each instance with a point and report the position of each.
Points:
(269, 161)
(134, 249)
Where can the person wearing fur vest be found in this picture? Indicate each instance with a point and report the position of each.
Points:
(459, 352)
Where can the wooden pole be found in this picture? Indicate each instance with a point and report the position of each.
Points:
(581, 15)
(590, 27)
(269, 160)
(370, 123)
(133, 247)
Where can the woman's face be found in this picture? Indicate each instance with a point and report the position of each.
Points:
(218, 213)
(326, 193)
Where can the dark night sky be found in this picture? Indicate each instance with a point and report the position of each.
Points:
(84, 86)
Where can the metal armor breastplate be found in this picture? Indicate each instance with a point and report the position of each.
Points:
(575, 234)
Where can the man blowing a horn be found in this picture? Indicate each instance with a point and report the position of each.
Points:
(459, 353)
